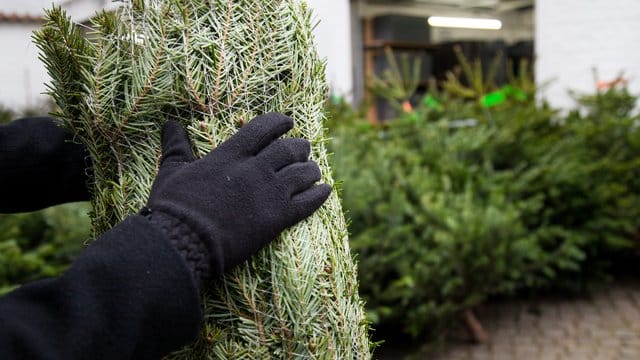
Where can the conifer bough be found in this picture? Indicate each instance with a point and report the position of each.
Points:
(213, 65)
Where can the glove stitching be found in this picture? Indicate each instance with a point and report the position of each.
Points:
(185, 241)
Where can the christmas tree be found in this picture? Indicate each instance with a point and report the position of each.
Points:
(213, 65)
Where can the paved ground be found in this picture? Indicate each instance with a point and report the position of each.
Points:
(605, 326)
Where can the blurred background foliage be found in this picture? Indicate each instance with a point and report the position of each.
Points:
(475, 190)
(40, 244)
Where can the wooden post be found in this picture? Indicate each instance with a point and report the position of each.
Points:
(477, 331)
(369, 69)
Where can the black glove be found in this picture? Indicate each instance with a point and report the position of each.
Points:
(221, 209)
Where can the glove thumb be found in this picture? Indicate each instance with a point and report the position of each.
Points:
(176, 146)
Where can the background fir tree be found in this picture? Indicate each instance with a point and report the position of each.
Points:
(213, 65)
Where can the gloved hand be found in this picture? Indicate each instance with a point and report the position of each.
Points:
(221, 209)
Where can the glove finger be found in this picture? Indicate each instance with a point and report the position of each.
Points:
(176, 146)
(299, 177)
(308, 201)
(260, 132)
(283, 152)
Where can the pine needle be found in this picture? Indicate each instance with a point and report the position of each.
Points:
(213, 65)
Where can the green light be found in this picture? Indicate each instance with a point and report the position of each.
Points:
(431, 102)
(493, 99)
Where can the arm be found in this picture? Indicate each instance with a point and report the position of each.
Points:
(132, 294)
(40, 166)
(128, 296)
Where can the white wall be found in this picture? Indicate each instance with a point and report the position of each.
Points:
(333, 37)
(33, 7)
(573, 36)
(22, 75)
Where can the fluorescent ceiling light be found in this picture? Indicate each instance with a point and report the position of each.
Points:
(465, 23)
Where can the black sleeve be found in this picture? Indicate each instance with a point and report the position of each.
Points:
(40, 166)
(129, 295)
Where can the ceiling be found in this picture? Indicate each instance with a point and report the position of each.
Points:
(447, 7)
(500, 5)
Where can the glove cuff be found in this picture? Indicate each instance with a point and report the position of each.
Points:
(185, 241)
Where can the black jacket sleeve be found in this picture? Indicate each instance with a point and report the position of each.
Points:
(129, 295)
(40, 166)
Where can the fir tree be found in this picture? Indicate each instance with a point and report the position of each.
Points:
(213, 65)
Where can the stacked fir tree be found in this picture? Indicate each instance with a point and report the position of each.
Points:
(213, 65)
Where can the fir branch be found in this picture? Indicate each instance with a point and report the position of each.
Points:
(66, 54)
(213, 65)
